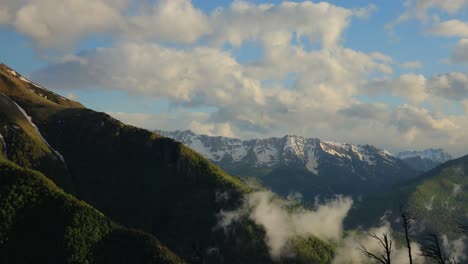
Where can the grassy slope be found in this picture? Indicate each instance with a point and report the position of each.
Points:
(148, 182)
(24, 144)
(42, 224)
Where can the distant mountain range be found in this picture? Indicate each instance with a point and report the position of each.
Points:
(311, 166)
(424, 160)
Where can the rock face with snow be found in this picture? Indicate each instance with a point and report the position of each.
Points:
(426, 159)
(306, 165)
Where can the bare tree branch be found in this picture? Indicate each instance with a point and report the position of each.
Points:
(430, 248)
(386, 243)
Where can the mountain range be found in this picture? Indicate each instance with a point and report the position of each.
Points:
(78, 186)
(312, 166)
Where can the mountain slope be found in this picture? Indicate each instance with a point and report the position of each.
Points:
(42, 224)
(438, 198)
(306, 165)
(148, 182)
(23, 144)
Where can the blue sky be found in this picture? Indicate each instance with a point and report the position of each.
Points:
(388, 73)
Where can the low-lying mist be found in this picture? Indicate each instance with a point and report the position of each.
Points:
(286, 219)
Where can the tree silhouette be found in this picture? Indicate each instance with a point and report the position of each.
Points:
(386, 243)
(407, 221)
(431, 248)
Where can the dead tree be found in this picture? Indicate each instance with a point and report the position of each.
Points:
(431, 248)
(386, 243)
(407, 221)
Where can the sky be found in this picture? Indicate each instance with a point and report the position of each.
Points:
(387, 73)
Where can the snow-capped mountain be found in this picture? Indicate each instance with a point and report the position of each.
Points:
(272, 151)
(298, 164)
(436, 155)
(425, 159)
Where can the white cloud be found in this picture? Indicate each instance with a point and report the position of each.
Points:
(169, 20)
(449, 28)
(420, 8)
(59, 24)
(408, 86)
(201, 76)
(283, 224)
(54, 23)
(318, 22)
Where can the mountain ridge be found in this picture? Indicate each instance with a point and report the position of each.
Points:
(311, 166)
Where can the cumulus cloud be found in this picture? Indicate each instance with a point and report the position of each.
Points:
(420, 8)
(290, 88)
(450, 28)
(193, 77)
(168, 20)
(417, 88)
(53, 23)
(61, 23)
(408, 86)
(282, 223)
(58, 24)
(318, 22)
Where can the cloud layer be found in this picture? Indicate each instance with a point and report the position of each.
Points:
(303, 80)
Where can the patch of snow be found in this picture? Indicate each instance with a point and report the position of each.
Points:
(204, 150)
(336, 144)
(387, 153)
(13, 73)
(312, 161)
(39, 132)
(239, 153)
(266, 155)
(4, 145)
(363, 155)
(35, 84)
(295, 144)
(24, 79)
(330, 148)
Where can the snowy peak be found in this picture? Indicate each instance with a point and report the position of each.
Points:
(435, 155)
(288, 150)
